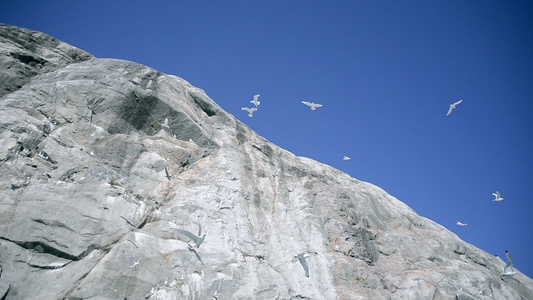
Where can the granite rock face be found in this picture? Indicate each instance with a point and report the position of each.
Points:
(87, 210)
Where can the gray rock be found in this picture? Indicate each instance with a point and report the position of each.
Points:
(83, 155)
(26, 53)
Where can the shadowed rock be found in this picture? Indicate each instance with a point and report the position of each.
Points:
(26, 54)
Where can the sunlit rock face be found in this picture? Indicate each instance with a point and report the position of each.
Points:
(87, 210)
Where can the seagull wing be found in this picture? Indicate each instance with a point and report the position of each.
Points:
(510, 262)
(188, 234)
(199, 229)
(191, 248)
(246, 109)
(458, 102)
(307, 103)
(450, 110)
(317, 105)
(302, 260)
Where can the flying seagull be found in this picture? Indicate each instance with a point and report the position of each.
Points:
(165, 123)
(461, 224)
(312, 104)
(132, 259)
(249, 110)
(497, 196)
(198, 239)
(301, 257)
(452, 106)
(346, 158)
(166, 173)
(255, 101)
(508, 270)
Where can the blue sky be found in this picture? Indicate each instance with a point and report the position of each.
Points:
(385, 72)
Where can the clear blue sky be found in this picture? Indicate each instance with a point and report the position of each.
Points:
(385, 71)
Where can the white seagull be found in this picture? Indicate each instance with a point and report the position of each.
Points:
(508, 270)
(249, 110)
(452, 106)
(312, 104)
(346, 158)
(132, 259)
(165, 123)
(497, 196)
(461, 224)
(255, 101)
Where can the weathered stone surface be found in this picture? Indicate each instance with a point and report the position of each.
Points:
(83, 154)
(26, 53)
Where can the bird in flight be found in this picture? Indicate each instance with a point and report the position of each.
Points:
(497, 196)
(508, 270)
(165, 123)
(346, 158)
(312, 104)
(461, 224)
(132, 259)
(452, 106)
(255, 101)
(249, 110)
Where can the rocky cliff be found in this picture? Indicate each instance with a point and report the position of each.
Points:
(96, 187)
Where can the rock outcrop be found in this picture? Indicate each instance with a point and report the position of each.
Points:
(87, 210)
